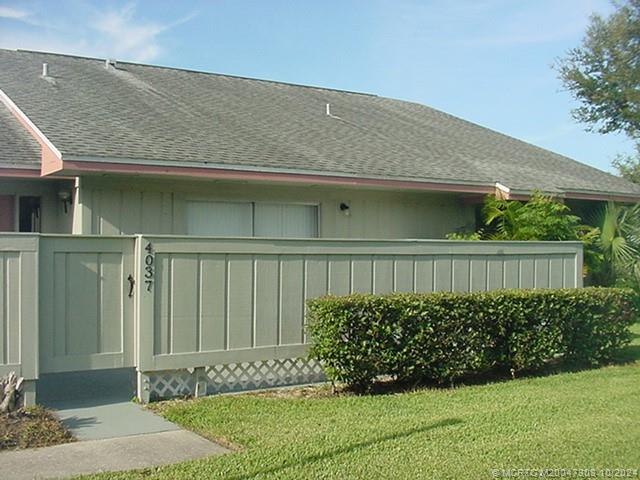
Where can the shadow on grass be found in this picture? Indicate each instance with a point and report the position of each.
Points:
(308, 459)
(628, 354)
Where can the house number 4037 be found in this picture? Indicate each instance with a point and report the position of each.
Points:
(148, 267)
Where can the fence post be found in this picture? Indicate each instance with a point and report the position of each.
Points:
(580, 266)
(29, 328)
(145, 286)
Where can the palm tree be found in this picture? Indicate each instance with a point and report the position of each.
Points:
(619, 242)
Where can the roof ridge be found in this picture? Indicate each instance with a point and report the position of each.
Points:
(191, 70)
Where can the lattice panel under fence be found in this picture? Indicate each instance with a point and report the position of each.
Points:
(236, 377)
(172, 383)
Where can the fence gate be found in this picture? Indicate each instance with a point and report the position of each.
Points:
(86, 311)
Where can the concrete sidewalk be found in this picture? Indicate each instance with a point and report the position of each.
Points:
(113, 433)
(89, 420)
(113, 454)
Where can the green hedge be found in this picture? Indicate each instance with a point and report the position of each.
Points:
(443, 336)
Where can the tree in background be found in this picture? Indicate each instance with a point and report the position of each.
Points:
(628, 166)
(619, 243)
(603, 74)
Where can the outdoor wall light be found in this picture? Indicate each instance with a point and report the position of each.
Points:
(344, 208)
(65, 198)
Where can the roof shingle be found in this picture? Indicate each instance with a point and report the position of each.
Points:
(18, 149)
(160, 114)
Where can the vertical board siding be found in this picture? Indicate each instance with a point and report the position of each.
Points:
(291, 299)
(223, 295)
(162, 302)
(18, 305)
(266, 306)
(442, 274)
(361, 274)
(423, 276)
(4, 320)
(213, 304)
(87, 298)
(383, 273)
(64, 302)
(13, 307)
(478, 275)
(185, 303)
(240, 301)
(339, 274)
(9, 308)
(403, 274)
(86, 315)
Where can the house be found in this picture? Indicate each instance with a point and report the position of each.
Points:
(202, 211)
(101, 147)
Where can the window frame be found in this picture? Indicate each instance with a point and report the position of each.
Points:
(253, 203)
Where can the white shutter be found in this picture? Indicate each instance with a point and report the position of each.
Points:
(220, 219)
(285, 220)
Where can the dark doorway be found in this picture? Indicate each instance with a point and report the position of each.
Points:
(29, 214)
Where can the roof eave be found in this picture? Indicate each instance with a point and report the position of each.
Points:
(81, 165)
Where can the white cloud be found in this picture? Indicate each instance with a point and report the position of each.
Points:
(84, 30)
(13, 13)
(130, 37)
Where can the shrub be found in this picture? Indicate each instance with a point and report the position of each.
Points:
(443, 336)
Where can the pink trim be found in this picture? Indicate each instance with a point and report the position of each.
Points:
(220, 174)
(48, 154)
(602, 197)
(19, 173)
(50, 162)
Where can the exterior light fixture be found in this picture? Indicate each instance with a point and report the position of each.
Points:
(344, 208)
(65, 198)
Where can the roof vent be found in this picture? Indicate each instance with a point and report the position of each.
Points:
(45, 69)
(329, 114)
(110, 62)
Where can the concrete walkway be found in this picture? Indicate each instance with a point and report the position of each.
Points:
(89, 420)
(113, 433)
(97, 405)
(114, 454)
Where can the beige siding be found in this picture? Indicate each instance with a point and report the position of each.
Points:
(112, 206)
(54, 219)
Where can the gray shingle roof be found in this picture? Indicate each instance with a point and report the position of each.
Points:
(18, 149)
(159, 114)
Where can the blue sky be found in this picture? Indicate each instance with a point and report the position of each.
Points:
(488, 61)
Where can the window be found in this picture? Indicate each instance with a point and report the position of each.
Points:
(247, 219)
(29, 214)
(220, 219)
(285, 220)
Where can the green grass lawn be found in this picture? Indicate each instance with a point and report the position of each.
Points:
(587, 419)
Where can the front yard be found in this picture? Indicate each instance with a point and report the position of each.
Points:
(582, 420)
(30, 428)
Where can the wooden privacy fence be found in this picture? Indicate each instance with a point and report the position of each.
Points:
(233, 309)
(19, 309)
(205, 315)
